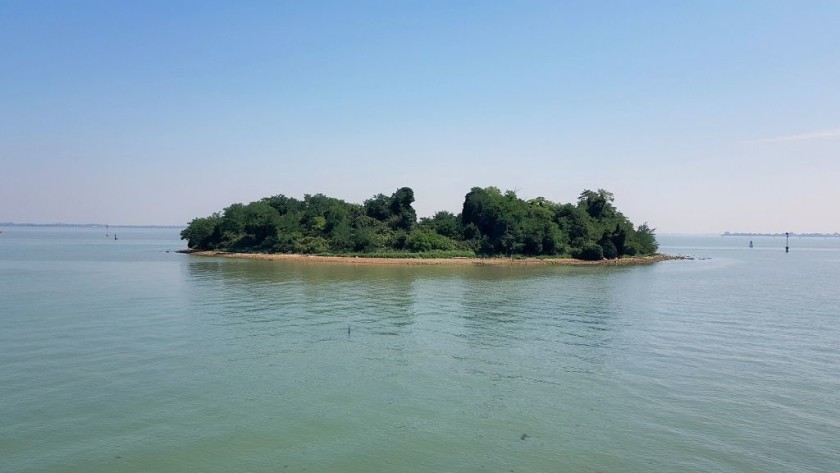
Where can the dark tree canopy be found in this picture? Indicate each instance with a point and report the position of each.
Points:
(491, 223)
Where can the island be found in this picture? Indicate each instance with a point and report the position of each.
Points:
(493, 226)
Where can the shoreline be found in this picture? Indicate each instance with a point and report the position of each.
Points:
(360, 260)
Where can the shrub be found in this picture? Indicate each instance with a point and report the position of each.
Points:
(608, 248)
(589, 252)
(311, 245)
(424, 240)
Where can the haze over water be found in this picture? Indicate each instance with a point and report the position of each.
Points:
(122, 356)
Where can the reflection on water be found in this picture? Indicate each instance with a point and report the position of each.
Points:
(303, 295)
(569, 310)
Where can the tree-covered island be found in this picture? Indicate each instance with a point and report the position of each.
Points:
(491, 223)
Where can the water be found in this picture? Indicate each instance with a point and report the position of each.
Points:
(122, 356)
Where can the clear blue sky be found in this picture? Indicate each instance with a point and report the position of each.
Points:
(699, 116)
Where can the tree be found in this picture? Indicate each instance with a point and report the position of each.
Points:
(232, 226)
(202, 233)
(619, 238)
(608, 249)
(497, 217)
(427, 240)
(444, 223)
(284, 204)
(491, 222)
(378, 207)
(597, 204)
(589, 252)
(644, 240)
(261, 221)
(403, 216)
(575, 223)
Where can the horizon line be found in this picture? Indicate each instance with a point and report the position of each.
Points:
(675, 233)
(87, 225)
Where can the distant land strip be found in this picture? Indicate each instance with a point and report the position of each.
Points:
(803, 235)
(84, 225)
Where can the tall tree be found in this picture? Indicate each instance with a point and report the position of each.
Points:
(403, 216)
(597, 204)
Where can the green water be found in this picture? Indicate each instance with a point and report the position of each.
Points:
(122, 356)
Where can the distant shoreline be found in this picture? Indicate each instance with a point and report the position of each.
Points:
(84, 225)
(797, 235)
(361, 260)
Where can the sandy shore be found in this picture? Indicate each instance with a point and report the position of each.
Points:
(626, 261)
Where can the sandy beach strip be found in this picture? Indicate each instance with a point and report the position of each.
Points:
(360, 260)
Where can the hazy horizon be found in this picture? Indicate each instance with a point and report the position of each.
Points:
(733, 233)
(700, 118)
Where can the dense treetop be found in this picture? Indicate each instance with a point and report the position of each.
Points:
(491, 223)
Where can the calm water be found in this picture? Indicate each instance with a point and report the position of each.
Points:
(122, 356)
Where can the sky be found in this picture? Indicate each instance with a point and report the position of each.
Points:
(701, 117)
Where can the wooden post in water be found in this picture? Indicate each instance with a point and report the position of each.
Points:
(787, 245)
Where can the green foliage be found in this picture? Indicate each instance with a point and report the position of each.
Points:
(589, 252)
(608, 249)
(311, 245)
(644, 240)
(202, 232)
(403, 216)
(575, 223)
(378, 207)
(396, 210)
(597, 204)
(497, 217)
(491, 223)
(260, 221)
(428, 240)
(444, 223)
(342, 237)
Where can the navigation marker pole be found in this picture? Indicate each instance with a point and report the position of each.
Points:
(787, 246)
